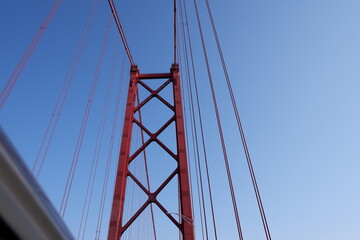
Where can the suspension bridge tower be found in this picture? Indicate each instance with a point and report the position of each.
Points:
(133, 116)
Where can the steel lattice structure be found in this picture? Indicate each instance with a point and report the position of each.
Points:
(117, 226)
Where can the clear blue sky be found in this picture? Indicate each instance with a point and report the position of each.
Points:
(294, 66)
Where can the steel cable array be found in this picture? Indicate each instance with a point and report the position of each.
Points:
(10, 84)
(61, 100)
(184, 55)
(86, 115)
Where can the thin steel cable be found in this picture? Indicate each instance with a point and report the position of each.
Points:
(121, 30)
(110, 153)
(188, 162)
(146, 166)
(50, 130)
(223, 146)
(200, 121)
(241, 130)
(10, 84)
(188, 155)
(199, 180)
(98, 145)
(195, 142)
(83, 126)
(97, 154)
(134, 198)
(175, 33)
(193, 128)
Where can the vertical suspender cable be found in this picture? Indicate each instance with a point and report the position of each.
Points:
(83, 126)
(175, 38)
(188, 156)
(242, 134)
(98, 145)
(200, 121)
(110, 152)
(232, 192)
(190, 173)
(193, 124)
(146, 167)
(184, 12)
(199, 177)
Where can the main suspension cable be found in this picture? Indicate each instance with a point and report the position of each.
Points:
(121, 30)
(242, 134)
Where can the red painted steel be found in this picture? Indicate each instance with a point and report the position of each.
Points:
(117, 226)
(188, 229)
(122, 171)
(155, 76)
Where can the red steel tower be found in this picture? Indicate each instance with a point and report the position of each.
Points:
(185, 225)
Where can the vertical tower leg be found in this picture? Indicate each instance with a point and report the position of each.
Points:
(122, 171)
(185, 198)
